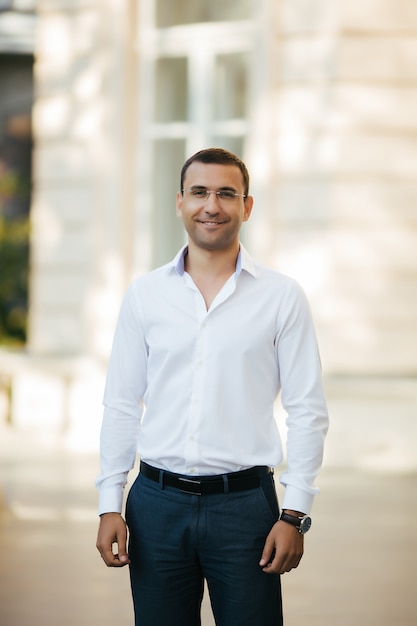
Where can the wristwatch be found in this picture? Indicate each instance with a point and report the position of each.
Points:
(303, 523)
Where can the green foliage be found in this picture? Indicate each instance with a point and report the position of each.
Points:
(12, 184)
(14, 262)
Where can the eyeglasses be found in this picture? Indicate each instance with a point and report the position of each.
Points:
(202, 194)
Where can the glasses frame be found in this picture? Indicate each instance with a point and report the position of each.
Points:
(218, 194)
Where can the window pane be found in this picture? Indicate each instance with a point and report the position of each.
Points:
(171, 89)
(167, 229)
(231, 86)
(233, 144)
(174, 12)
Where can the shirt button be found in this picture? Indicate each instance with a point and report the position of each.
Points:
(191, 470)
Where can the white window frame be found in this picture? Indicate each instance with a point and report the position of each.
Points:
(200, 43)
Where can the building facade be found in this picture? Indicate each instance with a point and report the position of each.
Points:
(319, 98)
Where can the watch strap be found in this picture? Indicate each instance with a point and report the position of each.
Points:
(291, 519)
(302, 524)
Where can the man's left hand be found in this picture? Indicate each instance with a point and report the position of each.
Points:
(283, 550)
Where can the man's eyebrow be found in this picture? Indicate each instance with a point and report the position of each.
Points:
(224, 188)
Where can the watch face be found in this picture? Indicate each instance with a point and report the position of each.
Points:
(305, 524)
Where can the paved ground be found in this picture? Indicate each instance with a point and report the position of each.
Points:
(359, 568)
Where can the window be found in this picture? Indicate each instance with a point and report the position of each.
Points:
(231, 86)
(168, 157)
(175, 12)
(171, 89)
(194, 93)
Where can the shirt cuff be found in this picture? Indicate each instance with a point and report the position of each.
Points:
(297, 500)
(110, 500)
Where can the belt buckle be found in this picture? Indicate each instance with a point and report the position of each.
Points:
(189, 482)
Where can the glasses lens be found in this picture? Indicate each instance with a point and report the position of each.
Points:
(226, 195)
(198, 194)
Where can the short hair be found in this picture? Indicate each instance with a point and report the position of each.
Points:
(218, 156)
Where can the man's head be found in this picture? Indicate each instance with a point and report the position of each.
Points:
(213, 201)
(218, 156)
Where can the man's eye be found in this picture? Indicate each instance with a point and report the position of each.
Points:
(198, 193)
(227, 195)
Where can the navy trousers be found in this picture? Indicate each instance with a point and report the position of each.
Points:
(178, 540)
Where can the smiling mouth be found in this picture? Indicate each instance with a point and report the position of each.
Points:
(210, 222)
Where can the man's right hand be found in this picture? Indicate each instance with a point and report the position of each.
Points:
(112, 530)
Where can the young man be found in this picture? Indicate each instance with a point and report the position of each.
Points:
(202, 348)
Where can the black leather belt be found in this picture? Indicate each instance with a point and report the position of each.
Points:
(204, 485)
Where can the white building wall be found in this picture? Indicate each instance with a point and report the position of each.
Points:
(343, 219)
(83, 163)
(343, 149)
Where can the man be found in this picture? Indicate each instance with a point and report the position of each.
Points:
(202, 348)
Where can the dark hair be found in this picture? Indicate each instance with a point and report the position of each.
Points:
(219, 156)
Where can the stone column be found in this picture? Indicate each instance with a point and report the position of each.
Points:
(84, 160)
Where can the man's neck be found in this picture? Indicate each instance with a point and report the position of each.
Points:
(211, 263)
(210, 270)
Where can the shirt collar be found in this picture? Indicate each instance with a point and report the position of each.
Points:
(177, 262)
(244, 262)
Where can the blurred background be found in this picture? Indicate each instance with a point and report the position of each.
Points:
(101, 101)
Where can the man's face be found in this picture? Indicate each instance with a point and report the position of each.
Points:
(212, 223)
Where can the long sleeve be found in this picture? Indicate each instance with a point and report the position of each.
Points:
(123, 405)
(303, 399)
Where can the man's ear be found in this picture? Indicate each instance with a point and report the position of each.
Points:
(248, 204)
(179, 199)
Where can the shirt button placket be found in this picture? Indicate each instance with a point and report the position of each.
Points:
(192, 446)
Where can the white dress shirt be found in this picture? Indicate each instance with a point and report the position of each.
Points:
(193, 390)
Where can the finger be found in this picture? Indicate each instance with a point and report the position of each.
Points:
(112, 559)
(267, 552)
(121, 542)
(275, 566)
(284, 566)
(120, 558)
(283, 563)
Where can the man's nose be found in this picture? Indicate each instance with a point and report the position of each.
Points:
(212, 202)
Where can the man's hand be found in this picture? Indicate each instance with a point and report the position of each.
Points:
(283, 550)
(112, 530)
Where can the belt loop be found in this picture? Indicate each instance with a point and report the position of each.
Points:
(161, 478)
(225, 483)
